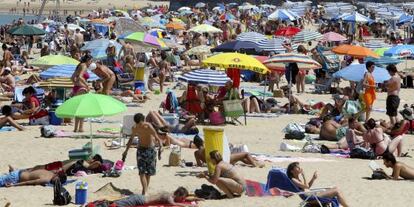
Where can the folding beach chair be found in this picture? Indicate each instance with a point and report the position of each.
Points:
(233, 109)
(278, 178)
(126, 128)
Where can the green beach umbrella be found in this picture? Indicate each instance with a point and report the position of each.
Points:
(380, 51)
(90, 105)
(26, 30)
(52, 60)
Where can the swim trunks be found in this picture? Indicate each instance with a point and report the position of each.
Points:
(340, 133)
(133, 200)
(392, 104)
(10, 178)
(146, 160)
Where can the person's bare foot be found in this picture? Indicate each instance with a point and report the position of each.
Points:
(11, 169)
(260, 164)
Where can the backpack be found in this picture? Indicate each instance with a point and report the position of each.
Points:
(61, 196)
(362, 154)
(208, 192)
(47, 131)
(295, 135)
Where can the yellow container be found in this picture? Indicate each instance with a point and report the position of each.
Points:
(139, 74)
(214, 139)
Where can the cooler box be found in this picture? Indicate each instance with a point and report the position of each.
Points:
(53, 119)
(80, 154)
(81, 193)
(140, 85)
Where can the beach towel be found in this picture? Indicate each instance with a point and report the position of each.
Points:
(279, 159)
(109, 130)
(69, 181)
(257, 189)
(262, 115)
(7, 129)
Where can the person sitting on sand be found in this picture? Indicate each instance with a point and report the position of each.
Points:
(7, 82)
(160, 123)
(353, 137)
(293, 171)
(225, 176)
(379, 141)
(399, 169)
(174, 199)
(32, 109)
(244, 157)
(7, 118)
(30, 177)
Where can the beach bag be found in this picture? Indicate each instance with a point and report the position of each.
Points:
(175, 156)
(47, 131)
(233, 108)
(378, 175)
(293, 127)
(298, 135)
(361, 153)
(207, 192)
(61, 196)
(278, 93)
(216, 118)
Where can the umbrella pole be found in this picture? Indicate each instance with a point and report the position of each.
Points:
(90, 131)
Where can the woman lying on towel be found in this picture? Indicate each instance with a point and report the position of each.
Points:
(225, 176)
(120, 94)
(244, 157)
(296, 174)
(163, 126)
(7, 118)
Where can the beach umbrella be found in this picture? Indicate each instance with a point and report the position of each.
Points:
(89, 106)
(376, 44)
(355, 72)
(247, 6)
(63, 71)
(98, 47)
(333, 37)
(287, 31)
(237, 61)
(52, 60)
(354, 51)
(73, 27)
(272, 45)
(405, 18)
(227, 16)
(199, 50)
(356, 17)
(200, 5)
(251, 37)
(205, 28)
(278, 62)
(127, 25)
(26, 30)
(383, 60)
(151, 23)
(238, 46)
(184, 8)
(380, 51)
(175, 25)
(306, 36)
(205, 76)
(284, 15)
(145, 38)
(154, 32)
(400, 51)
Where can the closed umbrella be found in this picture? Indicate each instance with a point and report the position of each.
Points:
(26, 30)
(237, 61)
(238, 46)
(251, 37)
(98, 47)
(355, 72)
(205, 76)
(205, 28)
(53, 60)
(306, 36)
(333, 37)
(90, 105)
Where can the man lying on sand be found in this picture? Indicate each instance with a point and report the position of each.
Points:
(399, 169)
(30, 177)
(175, 199)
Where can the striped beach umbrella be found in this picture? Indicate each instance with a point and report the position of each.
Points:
(284, 15)
(251, 37)
(205, 76)
(356, 17)
(278, 62)
(383, 61)
(306, 36)
(376, 44)
(333, 37)
(272, 45)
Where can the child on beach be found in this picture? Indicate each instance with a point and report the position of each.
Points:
(146, 154)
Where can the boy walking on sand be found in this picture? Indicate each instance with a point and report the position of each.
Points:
(146, 153)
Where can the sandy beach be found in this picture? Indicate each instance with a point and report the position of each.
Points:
(261, 135)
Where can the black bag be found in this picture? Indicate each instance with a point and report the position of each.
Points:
(61, 196)
(378, 175)
(295, 135)
(362, 154)
(208, 192)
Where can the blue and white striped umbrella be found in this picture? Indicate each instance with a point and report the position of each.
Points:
(306, 36)
(205, 76)
(357, 17)
(63, 71)
(376, 45)
(283, 14)
(400, 51)
(384, 60)
(251, 37)
(274, 45)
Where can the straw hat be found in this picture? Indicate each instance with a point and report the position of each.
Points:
(407, 113)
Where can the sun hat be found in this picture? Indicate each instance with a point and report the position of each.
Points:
(407, 113)
(92, 66)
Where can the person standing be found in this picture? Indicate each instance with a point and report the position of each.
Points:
(393, 89)
(369, 85)
(78, 38)
(107, 76)
(146, 153)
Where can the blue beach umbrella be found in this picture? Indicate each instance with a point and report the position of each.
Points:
(63, 71)
(283, 14)
(355, 72)
(98, 47)
(251, 37)
(357, 17)
(205, 76)
(400, 51)
(384, 60)
(238, 46)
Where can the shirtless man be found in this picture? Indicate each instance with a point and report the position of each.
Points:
(331, 130)
(7, 55)
(78, 36)
(30, 177)
(127, 49)
(107, 76)
(399, 169)
(146, 154)
(175, 199)
(7, 81)
(393, 89)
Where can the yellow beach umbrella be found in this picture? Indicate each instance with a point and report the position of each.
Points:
(202, 28)
(236, 60)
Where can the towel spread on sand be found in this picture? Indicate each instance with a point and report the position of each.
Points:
(256, 189)
(262, 115)
(278, 159)
(69, 181)
(7, 129)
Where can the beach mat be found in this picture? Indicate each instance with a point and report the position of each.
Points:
(262, 115)
(279, 159)
(69, 181)
(257, 189)
(7, 129)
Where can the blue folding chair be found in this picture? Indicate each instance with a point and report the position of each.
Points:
(278, 178)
